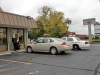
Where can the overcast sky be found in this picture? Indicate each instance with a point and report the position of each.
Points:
(76, 10)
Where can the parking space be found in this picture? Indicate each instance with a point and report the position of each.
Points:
(40, 69)
(78, 62)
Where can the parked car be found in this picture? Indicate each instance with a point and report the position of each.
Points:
(52, 45)
(30, 41)
(77, 43)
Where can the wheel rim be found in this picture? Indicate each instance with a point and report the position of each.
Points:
(75, 47)
(53, 51)
(29, 49)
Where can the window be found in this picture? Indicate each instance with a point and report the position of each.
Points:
(51, 40)
(47, 40)
(21, 36)
(3, 36)
(63, 38)
(70, 39)
(40, 41)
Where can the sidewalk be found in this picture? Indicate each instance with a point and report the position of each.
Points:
(9, 52)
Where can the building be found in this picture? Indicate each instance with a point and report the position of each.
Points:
(14, 26)
(97, 28)
(81, 36)
(46, 35)
(70, 33)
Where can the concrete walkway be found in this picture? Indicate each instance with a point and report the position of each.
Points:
(9, 52)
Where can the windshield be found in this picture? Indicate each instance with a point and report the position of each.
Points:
(77, 38)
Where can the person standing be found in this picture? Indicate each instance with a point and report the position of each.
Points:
(18, 45)
(14, 40)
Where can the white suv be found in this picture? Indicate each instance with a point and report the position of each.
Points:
(77, 43)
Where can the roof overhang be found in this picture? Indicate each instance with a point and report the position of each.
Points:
(16, 21)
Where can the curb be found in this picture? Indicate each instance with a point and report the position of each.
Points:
(5, 53)
(10, 52)
(20, 51)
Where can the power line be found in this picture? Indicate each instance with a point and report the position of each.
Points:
(81, 23)
(75, 26)
(97, 14)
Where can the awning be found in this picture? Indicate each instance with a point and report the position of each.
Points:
(16, 21)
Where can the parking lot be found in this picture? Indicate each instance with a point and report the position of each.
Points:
(78, 62)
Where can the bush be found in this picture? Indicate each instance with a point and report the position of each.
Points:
(95, 41)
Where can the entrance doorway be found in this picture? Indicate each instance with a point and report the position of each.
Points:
(17, 36)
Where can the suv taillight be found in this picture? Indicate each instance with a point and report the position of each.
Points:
(86, 42)
(63, 43)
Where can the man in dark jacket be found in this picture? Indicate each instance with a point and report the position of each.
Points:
(14, 40)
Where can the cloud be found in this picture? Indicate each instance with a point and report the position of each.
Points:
(76, 10)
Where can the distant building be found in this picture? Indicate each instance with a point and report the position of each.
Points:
(70, 33)
(97, 28)
(46, 35)
(81, 36)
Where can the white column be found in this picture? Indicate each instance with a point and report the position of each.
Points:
(25, 36)
(9, 39)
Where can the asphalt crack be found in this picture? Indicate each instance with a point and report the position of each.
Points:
(96, 69)
(63, 66)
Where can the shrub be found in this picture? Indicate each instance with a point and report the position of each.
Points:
(95, 41)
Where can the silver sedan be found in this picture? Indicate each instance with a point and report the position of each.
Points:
(52, 45)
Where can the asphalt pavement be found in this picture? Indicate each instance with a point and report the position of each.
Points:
(79, 62)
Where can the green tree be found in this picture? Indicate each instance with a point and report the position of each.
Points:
(68, 21)
(96, 37)
(38, 32)
(53, 21)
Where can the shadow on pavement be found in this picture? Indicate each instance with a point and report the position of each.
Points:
(82, 50)
(47, 53)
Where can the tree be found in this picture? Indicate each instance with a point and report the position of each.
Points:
(68, 21)
(33, 34)
(96, 37)
(38, 32)
(53, 21)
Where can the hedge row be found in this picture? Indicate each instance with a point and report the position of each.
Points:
(95, 41)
